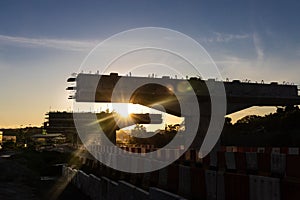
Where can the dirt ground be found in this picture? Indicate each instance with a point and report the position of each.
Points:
(20, 178)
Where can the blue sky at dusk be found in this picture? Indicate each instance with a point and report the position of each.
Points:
(43, 42)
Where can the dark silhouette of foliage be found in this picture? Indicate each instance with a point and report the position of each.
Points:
(276, 129)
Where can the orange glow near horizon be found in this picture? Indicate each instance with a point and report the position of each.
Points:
(134, 108)
(255, 110)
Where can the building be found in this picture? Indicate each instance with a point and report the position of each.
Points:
(49, 138)
(61, 123)
(9, 138)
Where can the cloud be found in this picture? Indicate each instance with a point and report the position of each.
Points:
(258, 47)
(223, 37)
(298, 52)
(269, 70)
(70, 45)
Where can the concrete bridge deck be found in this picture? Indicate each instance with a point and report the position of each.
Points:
(239, 95)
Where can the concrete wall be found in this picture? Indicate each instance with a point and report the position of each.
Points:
(105, 189)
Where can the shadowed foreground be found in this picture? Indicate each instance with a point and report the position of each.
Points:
(21, 174)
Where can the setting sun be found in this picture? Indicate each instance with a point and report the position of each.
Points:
(125, 109)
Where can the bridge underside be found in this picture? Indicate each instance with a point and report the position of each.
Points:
(238, 96)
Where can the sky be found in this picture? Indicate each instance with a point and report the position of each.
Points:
(43, 42)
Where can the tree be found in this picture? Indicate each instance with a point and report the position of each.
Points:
(139, 129)
(249, 119)
(228, 121)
